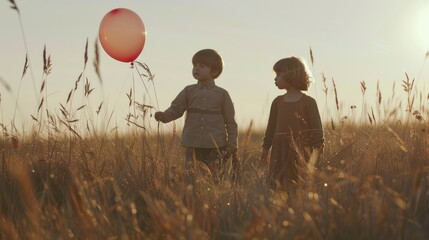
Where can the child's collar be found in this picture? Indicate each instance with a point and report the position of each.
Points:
(206, 83)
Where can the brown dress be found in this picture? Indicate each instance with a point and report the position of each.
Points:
(293, 129)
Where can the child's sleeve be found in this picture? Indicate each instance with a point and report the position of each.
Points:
(178, 106)
(230, 123)
(317, 139)
(271, 127)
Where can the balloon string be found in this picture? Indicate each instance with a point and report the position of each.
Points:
(144, 84)
(151, 77)
(134, 94)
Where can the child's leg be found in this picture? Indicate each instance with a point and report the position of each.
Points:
(214, 158)
(190, 157)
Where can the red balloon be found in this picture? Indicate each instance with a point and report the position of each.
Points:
(122, 34)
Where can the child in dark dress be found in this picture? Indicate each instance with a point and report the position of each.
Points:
(294, 130)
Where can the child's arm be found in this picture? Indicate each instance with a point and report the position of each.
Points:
(316, 128)
(269, 133)
(264, 156)
(163, 117)
(230, 124)
(271, 126)
(232, 133)
(176, 109)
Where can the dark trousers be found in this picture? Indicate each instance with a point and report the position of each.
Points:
(214, 158)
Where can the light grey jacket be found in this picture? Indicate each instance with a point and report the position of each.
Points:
(210, 118)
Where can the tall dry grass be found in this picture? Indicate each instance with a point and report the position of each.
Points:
(71, 180)
(372, 182)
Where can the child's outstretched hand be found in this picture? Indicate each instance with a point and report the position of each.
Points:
(264, 156)
(161, 116)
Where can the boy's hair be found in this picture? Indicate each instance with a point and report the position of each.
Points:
(211, 58)
(296, 72)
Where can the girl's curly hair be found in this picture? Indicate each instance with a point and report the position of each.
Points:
(295, 71)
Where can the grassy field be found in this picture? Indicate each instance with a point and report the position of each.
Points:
(69, 180)
(372, 182)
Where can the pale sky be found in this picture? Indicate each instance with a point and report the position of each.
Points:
(352, 41)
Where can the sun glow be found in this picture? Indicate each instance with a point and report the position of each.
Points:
(421, 26)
